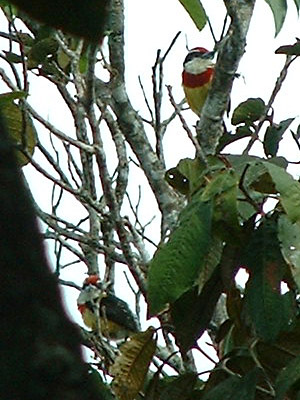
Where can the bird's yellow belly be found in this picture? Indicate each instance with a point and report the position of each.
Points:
(196, 97)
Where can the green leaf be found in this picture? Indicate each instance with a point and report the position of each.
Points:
(196, 12)
(176, 264)
(19, 126)
(288, 188)
(248, 111)
(235, 388)
(279, 10)
(274, 135)
(263, 300)
(287, 377)
(289, 237)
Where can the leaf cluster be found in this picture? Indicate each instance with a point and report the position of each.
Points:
(224, 227)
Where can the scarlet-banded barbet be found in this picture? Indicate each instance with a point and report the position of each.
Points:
(117, 321)
(198, 71)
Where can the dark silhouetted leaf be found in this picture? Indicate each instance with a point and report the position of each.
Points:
(235, 388)
(287, 377)
(180, 388)
(86, 20)
(228, 138)
(192, 312)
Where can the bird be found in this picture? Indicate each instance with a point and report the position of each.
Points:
(102, 311)
(197, 75)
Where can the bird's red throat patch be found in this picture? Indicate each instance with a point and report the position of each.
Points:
(197, 80)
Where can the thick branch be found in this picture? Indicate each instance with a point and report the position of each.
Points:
(131, 123)
(209, 129)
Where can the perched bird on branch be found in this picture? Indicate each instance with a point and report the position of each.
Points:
(105, 313)
(198, 71)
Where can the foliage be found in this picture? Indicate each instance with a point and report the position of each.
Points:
(219, 212)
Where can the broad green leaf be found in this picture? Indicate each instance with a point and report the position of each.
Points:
(288, 188)
(274, 135)
(289, 236)
(279, 10)
(248, 111)
(196, 12)
(19, 126)
(176, 264)
(286, 378)
(263, 300)
(234, 388)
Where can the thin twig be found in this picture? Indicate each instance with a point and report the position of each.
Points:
(196, 144)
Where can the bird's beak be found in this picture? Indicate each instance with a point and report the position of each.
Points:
(209, 55)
